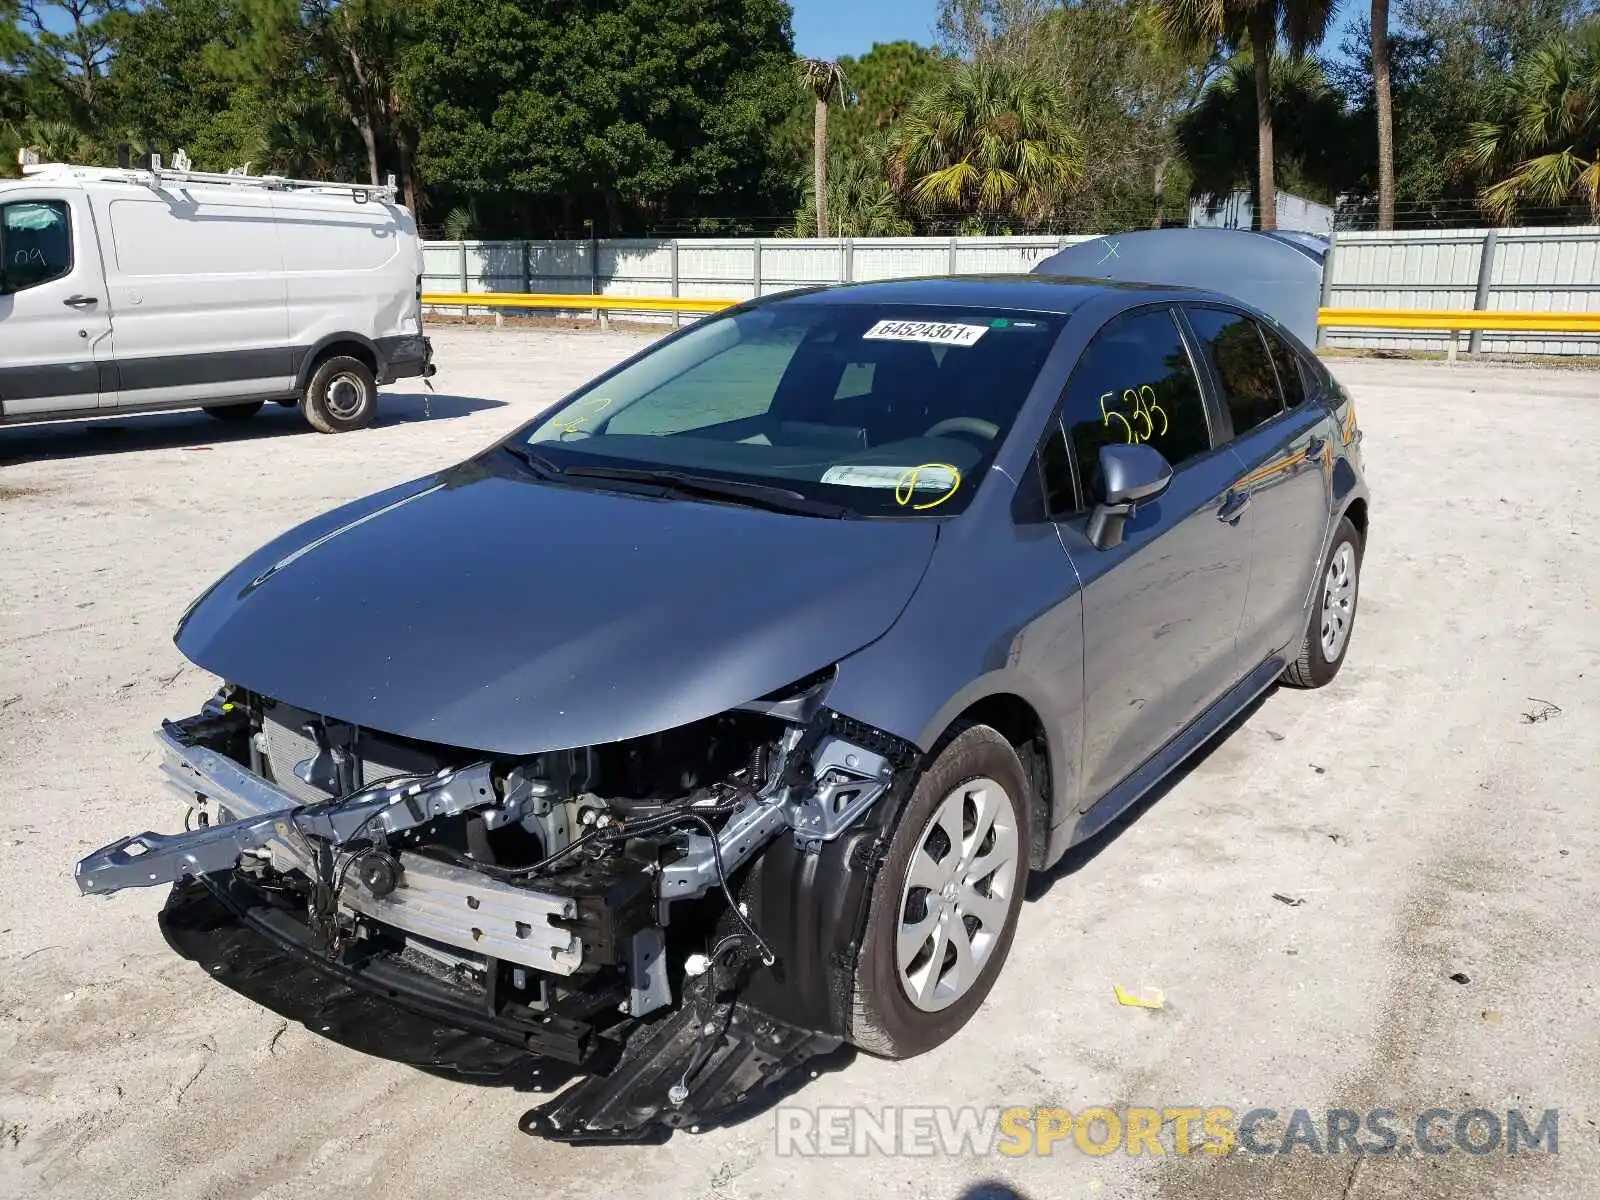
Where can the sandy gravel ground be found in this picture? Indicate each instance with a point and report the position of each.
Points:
(1429, 826)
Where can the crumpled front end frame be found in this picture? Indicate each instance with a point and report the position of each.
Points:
(686, 952)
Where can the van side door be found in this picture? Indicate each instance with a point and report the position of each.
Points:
(195, 278)
(55, 324)
(1283, 434)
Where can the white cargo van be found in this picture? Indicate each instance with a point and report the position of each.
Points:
(125, 291)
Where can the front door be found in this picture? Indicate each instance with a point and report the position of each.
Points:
(1160, 611)
(55, 323)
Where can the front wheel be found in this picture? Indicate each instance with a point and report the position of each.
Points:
(944, 905)
(1333, 613)
(341, 396)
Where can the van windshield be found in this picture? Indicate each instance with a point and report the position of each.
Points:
(881, 410)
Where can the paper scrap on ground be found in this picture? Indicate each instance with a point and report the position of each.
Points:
(937, 333)
(1148, 998)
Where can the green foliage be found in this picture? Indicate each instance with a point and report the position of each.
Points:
(177, 83)
(1312, 151)
(621, 113)
(459, 224)
(1542, 148)
(860, 201)
(544, 116)
(987, 140)
(70, 48)
(1125, 83)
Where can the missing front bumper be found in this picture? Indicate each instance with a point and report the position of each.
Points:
(251, 941)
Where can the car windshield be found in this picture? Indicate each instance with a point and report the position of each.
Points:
(869, 409)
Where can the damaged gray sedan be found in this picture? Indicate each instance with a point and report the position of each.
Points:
(717, 718)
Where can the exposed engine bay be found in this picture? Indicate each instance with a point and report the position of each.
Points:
(674, 915)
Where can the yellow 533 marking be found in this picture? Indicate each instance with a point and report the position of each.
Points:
(905, 490)
(1139, 422)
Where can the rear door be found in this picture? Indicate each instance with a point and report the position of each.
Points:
(1160, 611)
(55, 324)
(1282, 436)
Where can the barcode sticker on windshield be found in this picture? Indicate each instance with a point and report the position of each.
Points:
(931, 477)
(938, 333)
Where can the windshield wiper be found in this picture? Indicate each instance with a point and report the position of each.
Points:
(540, 465)
(756, 495)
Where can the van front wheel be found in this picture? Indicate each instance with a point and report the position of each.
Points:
(341, 396)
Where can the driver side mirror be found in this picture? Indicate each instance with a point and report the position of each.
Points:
(1133, 476)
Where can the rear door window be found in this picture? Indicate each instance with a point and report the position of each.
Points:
(1133, 384)
(1290, 366)
(1238, 352)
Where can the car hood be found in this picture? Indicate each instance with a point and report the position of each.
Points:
(480, 608)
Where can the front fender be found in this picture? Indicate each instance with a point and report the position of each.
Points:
(959, 644)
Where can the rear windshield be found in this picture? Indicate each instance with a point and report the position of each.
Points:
(887, 410)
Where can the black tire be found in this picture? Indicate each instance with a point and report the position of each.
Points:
(1312, 668)
(233, 412)
(341, 396)
(884, 1020)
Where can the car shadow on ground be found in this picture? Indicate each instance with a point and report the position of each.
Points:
(992, 1189)
(191, 429)
(1081, 855)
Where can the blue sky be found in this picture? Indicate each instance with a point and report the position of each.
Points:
(833, 28)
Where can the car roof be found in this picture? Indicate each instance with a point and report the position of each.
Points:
(1053, 294)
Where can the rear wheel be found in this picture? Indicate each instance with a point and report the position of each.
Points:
(341, 396)
(233, 412)
(1333, 613)
(944, 906)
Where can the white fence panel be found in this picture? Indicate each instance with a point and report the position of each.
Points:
(1549, 270)
(1530, 270)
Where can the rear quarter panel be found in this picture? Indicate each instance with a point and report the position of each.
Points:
(349, 268)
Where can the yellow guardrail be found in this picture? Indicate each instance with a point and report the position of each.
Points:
(1340, 318)
(1440, 318)
(575, 302)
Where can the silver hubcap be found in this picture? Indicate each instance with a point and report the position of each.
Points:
(957, 894)
(1338, 601)
(345, 395)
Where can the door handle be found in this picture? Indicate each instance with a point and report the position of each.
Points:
(1233, 507)
(81, 301)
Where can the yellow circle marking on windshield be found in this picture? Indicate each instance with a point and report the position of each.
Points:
(905, 490)
(588, 410)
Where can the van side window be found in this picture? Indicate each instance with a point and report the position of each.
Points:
(36, 243)
(1237, 350)
(1134, 383)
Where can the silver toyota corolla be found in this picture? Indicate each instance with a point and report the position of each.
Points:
(718, 716)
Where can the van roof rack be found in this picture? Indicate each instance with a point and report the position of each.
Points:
(155, 177)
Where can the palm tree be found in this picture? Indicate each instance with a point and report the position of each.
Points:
(988, 140)
(1385, 107)
(1317, 139)
(1544, 146)
(825, 81)
(860, 201)
(1257, 24)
